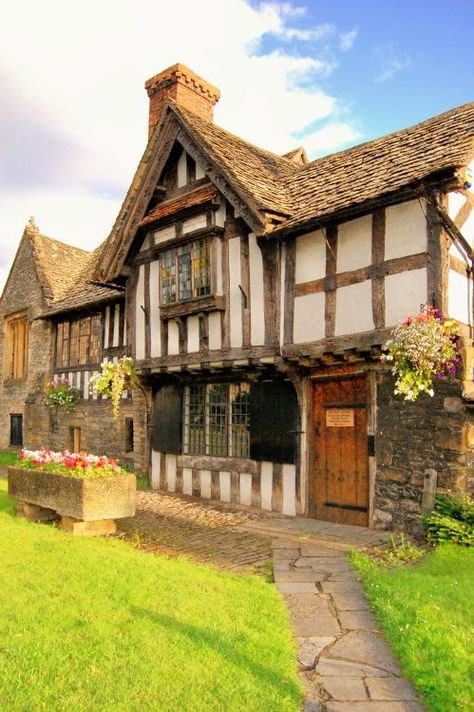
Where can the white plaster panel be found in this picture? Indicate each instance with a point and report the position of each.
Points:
(455, 202)
(309, 318)
(215, 332)
(173, 338)
(354, 244)
(310, 262)
(224, 486)
(171, 472)
(468, 229)
(116, 332)
(199, 171)
(404, 293)
(354, 308)
(145, 244)
(193, 334)
(266, 485)
(459, 297)
(85, 392)
(205, 477)
(195, 223)
(94, 392)
(182, 170)
(257, 300)
(405, 230)
(106, 327)
(234, 292)
(220, 215)
(187, 481)
(289, 490)
(140, 315)
(155, 469)
(165, 234)
(245, 488)
(283, 295)
(453, 250)
(155, 321)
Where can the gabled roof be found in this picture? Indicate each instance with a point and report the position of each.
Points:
(371, 170)
(250, 177)
(84, 293)
(58, 265)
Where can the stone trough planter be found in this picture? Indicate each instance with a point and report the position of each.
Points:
(87, 506)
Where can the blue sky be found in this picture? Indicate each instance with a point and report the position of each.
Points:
(73, 110)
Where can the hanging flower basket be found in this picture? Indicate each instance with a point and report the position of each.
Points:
(424, 348)
(114, 378)
(61, 394)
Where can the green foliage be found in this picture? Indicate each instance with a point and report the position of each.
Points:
(427, 615)
(399, 548)
(425, 346)
(61, 394)
(97, 625)
(114, 378)
(452, 519)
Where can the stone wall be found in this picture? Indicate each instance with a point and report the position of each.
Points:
(23, 292)
(431, 439)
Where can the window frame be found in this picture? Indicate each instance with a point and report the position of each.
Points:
(200, 278)
(231, 420)
(15, 363)
(77, 345)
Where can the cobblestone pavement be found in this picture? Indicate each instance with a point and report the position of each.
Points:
(209, 532)
(345, 663)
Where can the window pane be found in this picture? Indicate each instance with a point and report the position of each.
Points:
(74, 346)
(201, 271)
(195, 416)
(239, 400)
(184, 271)
(84, 338)
(95, 339)
(218, 419)
(168, 276)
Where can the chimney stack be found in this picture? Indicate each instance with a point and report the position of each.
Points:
(186, 88)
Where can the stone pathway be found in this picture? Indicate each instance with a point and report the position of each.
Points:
(208, 532)
(345, 663)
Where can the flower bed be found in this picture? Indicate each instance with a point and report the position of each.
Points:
(88, 492)
(72, 464)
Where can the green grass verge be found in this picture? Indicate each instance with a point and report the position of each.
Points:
(8, 458)
(91, 624)
(427, 613)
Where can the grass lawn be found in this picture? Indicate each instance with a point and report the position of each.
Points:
(90, 624)
(8, 458)
(427, 613)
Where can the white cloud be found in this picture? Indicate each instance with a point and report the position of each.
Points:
(330, 138)
(389, 63)
(346, 40)
(77, 70)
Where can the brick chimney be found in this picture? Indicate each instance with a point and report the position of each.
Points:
(186, 88)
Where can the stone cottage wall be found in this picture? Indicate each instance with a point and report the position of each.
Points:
(417, 443)
(23, 292)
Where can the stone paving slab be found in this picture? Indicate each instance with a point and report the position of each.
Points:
(345, 663)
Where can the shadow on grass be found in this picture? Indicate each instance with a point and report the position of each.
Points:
(202, 636)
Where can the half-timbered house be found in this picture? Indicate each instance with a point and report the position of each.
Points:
(255, 291)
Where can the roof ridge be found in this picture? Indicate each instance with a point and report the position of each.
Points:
(412, 127)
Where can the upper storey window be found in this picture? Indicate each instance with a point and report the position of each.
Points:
(185, 272)
(16, 346)
(79, 341)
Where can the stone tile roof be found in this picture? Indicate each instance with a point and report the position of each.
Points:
(200, 196)
(258, 173)
(58, 265)
(366, 172)
(84, 293)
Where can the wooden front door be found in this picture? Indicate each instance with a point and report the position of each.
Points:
(340, 483)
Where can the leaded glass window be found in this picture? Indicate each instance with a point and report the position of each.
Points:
(216, 419)
(185, 272)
